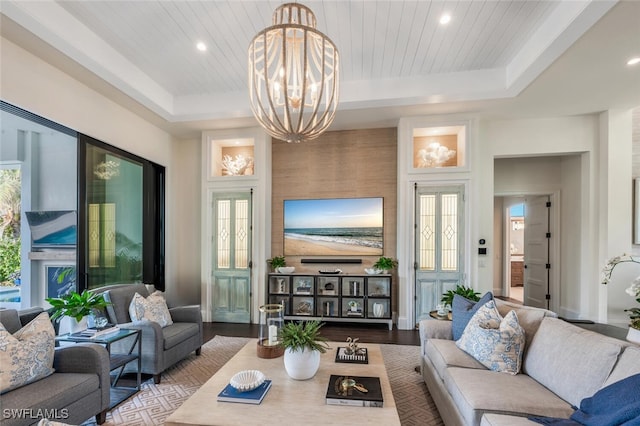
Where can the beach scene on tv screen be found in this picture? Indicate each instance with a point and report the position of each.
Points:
(333, 227)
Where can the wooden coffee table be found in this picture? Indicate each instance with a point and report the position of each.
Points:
(288, 401)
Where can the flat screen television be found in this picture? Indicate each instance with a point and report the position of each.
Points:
(53, 229)
(333, 227)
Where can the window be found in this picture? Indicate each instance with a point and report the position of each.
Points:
(117, 197)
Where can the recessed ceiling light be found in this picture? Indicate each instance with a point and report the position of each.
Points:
(201, 46)
(445, 19)
(634, 61)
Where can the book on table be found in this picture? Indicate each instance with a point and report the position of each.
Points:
(354, 391)
(255, 396)
(95, 332)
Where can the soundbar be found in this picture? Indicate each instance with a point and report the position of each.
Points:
(330, 260)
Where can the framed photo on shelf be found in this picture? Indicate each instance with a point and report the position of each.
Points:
(59, 279)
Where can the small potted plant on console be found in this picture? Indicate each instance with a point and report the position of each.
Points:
(385, 264)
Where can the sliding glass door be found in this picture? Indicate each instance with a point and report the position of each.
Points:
(114, 218)
(122, 216)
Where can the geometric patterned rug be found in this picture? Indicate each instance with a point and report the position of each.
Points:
(154, 403)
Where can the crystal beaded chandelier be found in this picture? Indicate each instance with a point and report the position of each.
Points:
(293, 76)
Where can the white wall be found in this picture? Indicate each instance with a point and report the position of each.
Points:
(546, 175)
(599, 192)
(185, 241)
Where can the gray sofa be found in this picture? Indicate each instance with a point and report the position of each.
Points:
(562, 364)
(78, 390)
(161, 347)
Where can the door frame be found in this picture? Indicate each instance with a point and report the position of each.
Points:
(206, 253)
(406, 248)
(554, 246)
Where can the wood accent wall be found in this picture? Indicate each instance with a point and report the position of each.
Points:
(340, 164)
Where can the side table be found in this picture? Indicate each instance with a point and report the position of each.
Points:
(129, 339)
(434, 315)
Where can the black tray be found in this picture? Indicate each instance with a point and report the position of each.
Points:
(361, 358)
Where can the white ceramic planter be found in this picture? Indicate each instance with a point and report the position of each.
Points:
(70, 325)
(633, 336)
(301, 365)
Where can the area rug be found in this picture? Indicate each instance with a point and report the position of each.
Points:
(154, 403)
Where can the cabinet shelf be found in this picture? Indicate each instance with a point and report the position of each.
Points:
(330, 298)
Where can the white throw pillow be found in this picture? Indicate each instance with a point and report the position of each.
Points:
(496, 342)
(153, 308)
(26, 355)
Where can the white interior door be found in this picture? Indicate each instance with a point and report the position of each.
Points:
(231, 258)
(439, 242)
(537, 236)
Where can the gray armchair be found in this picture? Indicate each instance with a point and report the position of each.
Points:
(161, 347)
(78, 390)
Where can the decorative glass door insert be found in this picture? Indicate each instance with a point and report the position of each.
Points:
(231, 258)
(439, 241)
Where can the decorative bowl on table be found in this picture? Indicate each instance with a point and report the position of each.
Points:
(372, 271)
(286, 269)
(247, 380)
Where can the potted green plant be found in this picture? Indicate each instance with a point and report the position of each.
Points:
(466, 292)
(76, 306)
(277, 262)
(303, 345)
(385, 264)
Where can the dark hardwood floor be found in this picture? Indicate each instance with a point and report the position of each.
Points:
(338, 332)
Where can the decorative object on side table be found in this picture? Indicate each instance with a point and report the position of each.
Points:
(75, 307)
(269, 339)
(354, 391)
(633, 334)
(385, 264)
(352, 353)
(303, 345)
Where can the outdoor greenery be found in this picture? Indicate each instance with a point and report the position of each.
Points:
(466, 292)
(303, 334)
(9, 226)
(76, 305)
(9, 260)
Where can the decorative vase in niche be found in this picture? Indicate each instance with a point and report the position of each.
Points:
(378, 310)
(301, 365)
(71, 325)
(633, 335)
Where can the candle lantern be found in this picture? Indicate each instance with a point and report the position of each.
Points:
(271, 322)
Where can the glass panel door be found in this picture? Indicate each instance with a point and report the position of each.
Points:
(439, 233)
(114, 202)
(231, 258)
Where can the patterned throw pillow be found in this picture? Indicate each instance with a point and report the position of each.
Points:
(496, 342)
(153, 308)
(462, 309)
(26, 355)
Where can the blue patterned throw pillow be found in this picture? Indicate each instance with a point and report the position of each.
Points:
(496, 342)
(462, 309)
(26, 355)
(153, 308)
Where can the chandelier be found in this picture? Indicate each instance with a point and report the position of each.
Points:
(293, 76)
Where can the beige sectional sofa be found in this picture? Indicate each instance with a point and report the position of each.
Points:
(562, 364)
